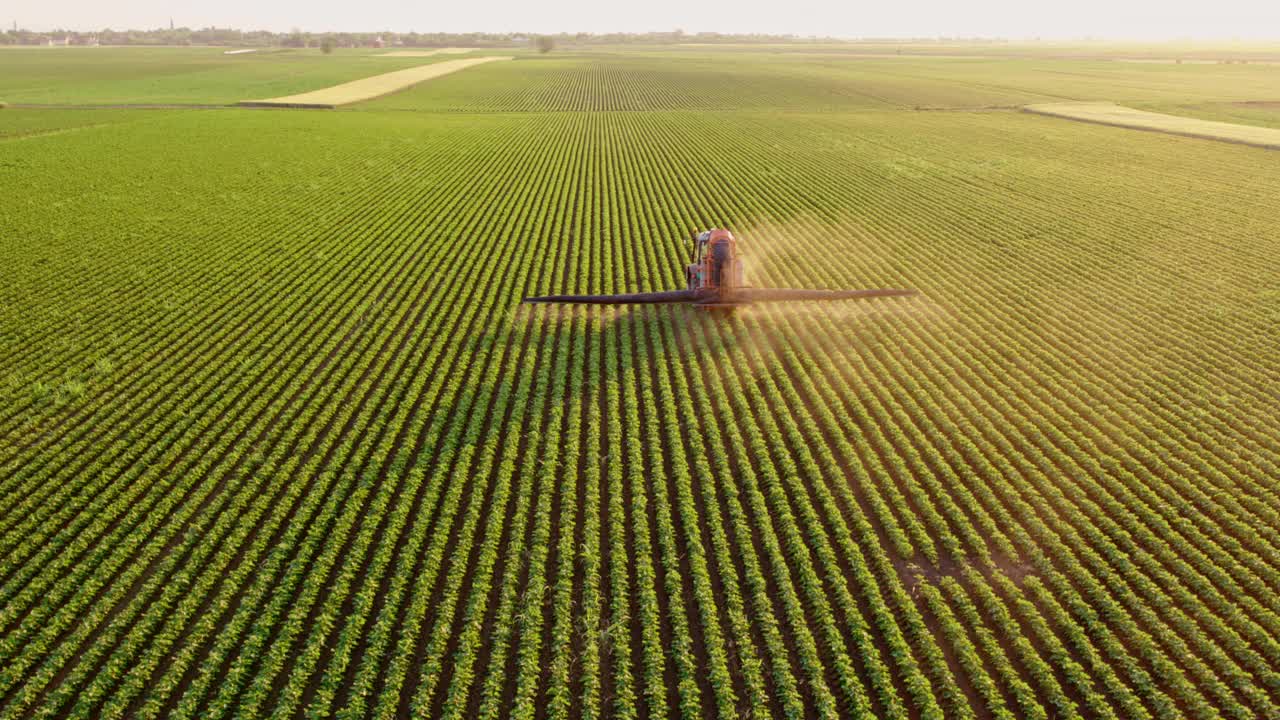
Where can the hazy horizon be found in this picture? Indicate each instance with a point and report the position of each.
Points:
(1142, 20)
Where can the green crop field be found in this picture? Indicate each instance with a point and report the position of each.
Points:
(196, 75)
(277, 438)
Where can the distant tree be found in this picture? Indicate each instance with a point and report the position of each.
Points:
(545, 43)
(326, 45)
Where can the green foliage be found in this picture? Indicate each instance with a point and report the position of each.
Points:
(177, 75)
(278, 439)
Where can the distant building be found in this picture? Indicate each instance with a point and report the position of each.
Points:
(378, 42)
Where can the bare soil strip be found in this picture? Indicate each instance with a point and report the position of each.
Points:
(1120, 116)
(370, 87)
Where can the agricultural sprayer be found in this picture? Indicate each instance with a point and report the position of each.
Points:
(713, 281)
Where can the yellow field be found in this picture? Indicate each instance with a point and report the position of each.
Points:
(1120, 116)
(371, 87)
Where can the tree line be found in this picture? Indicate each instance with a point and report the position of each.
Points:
(299, 38)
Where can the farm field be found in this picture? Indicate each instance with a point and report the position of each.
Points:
(431, 53)
(714, 80)
(1262, 114)
(374, 86)
(1156, 51)
(805, 78)
(1120, 116)
(183, 76)
(277, 438)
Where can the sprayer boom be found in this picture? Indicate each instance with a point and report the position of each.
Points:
(713, 280)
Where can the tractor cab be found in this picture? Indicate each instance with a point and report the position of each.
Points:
(714, 265)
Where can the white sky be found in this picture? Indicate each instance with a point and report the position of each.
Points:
(1058, 19)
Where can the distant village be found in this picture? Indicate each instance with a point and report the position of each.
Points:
(300, 39)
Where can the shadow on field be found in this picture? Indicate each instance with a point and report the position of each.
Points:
(624, 337)
(572, 352)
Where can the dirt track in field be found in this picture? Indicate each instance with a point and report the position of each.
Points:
(1120, 116)
(371, 87)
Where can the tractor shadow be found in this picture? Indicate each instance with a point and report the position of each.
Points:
(573, 354)
(620, 340)
(635, 341)
(576, 357)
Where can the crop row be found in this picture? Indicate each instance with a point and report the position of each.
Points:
(361, 483)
